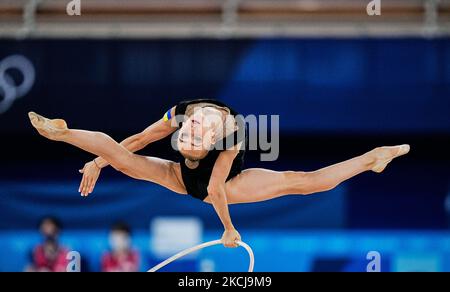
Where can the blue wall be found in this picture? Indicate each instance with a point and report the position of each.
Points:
(336, 98)
(275, 251)
(320, 85)
(21, 205)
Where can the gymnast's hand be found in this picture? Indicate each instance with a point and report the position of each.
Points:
(230, 238)
(90, 172)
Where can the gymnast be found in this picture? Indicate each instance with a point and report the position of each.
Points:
(211, 140)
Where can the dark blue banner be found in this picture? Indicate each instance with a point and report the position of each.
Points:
(315, 85)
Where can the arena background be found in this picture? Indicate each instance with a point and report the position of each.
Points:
(342, 82)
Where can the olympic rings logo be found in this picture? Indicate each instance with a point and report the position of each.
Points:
(9, 90)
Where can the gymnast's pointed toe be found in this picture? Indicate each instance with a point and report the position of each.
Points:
(51, 129)
(385, 155)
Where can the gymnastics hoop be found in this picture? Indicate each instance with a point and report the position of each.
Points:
(202, 246)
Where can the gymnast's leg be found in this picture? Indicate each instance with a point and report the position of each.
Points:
(255, 185)
(160, 171)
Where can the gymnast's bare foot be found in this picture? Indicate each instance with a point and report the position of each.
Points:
(382, 156)
(51, 129)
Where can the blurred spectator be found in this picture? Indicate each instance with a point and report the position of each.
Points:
(121, 258)
(49, 256)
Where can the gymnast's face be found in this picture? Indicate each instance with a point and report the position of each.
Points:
(197, 135)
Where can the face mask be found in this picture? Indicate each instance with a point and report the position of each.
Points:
(51, 237)
(119, 242)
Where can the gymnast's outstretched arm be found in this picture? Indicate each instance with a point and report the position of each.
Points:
(218, 196)
(155, 132)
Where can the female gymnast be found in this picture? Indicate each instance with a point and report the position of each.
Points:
(212, 174)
